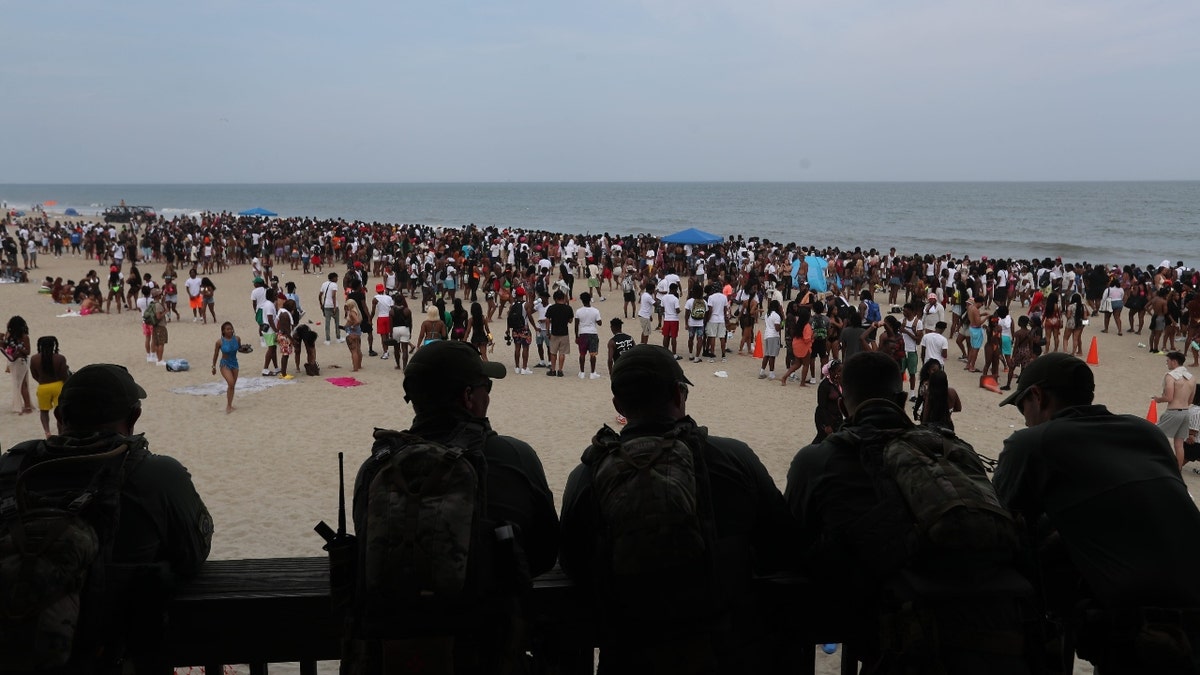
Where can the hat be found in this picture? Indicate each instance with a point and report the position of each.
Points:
(643, 363)
(104, 390)
(259, 280)
(932, 296)
(1056, 370)
(450, 361)
(156, 291)
(520, 291)
(358, 264)
(379, 288)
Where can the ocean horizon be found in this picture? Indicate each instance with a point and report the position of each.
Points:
(1122, 222)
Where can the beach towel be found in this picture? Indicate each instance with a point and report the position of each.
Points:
(69, 313)
(245, 385)
(1180, 373)
(343, 381)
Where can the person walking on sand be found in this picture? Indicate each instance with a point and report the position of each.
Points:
(49, 370)
(16, 350)
(1178, 389)
(208, 301)
(225, 353)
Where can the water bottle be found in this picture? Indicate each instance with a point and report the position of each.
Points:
(829, 647)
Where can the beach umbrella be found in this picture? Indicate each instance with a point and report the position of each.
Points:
(258, 211)
(693, 236)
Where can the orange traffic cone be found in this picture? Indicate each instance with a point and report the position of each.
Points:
(1093, 358)
(758, 350)
(1152, 413)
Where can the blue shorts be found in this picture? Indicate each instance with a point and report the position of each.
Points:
(976, 337)
(1006, 345)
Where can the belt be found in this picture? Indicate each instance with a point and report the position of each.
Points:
(1177, 409)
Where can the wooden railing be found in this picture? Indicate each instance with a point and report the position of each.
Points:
(277, 610)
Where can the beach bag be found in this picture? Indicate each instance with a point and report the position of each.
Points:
(699, 309)
(427, 550)
(149, 316)
(177, 365)
(56, 590)
(657, 533)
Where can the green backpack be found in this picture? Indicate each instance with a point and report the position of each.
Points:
(657, 533)
(936, 504)
(55, 554)
(427, 550)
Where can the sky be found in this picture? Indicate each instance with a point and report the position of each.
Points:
(253, 91)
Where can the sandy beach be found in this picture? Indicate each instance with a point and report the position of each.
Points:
(268, 471)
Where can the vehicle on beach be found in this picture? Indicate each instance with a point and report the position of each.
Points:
(126, 214)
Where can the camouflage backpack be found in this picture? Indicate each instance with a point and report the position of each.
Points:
(657, 534)
(426, 548)
(936, 505)
(56, 552)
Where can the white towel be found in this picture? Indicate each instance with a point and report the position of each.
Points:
(1180, 373)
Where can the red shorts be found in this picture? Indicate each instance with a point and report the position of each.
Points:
(383, 326)
(670, 329)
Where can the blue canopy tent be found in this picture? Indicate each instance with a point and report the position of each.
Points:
(70, 212)
(693, 236)
(258, 211)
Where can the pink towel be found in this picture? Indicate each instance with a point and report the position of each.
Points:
(343, 381)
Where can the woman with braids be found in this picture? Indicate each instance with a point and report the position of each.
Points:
(49, 370)
(15, 343)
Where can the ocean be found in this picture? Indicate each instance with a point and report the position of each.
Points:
(1111, 222)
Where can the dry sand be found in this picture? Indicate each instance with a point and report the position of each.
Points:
(268, 471)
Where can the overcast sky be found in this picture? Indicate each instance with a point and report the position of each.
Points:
(619, 90)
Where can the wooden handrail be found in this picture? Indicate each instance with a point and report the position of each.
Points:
(278, 610)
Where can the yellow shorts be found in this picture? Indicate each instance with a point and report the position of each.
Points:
(47, 395)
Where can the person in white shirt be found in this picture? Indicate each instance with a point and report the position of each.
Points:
(328, 300)
(934, 345)
(192, 286)
(771, 339)
(910, 333)
(934, 312)
(670, 327)
(587, 333)
(542, 328)
(714, 327)
(696, 309)
(645, 313)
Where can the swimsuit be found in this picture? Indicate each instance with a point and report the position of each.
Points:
(229, 352)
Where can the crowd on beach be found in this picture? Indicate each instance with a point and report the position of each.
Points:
(888, 321)
(542, 290)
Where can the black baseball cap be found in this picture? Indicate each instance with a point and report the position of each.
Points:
(1056, 370)
(449, 362)
(103, 391)
(645, 363)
